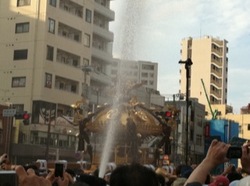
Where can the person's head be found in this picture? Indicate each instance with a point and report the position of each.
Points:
(161, 179)
(91, 180)
(183, 171)
(3, 158)
(133, 175)
(234, 175)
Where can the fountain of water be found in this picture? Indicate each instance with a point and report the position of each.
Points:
(129, 24)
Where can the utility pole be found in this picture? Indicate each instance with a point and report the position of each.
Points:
(188, 64)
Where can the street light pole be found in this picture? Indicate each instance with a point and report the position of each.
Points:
(188, 64)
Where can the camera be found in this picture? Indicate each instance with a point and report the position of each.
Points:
(234, 152)
(8, 178)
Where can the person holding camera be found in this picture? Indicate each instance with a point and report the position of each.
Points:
(217, 154)
(29, 177)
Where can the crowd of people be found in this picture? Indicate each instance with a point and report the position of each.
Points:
(141, 175)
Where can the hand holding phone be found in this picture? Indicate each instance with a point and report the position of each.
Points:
(59, 169)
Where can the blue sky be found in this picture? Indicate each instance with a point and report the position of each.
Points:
(158, 26)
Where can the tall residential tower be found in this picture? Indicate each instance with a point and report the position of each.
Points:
(210, 64)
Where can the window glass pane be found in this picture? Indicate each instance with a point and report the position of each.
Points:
(19, 107)
(50, 53)
(85, 62)
(20, 54)
(26, 27)
(88, 16)
(86, 40)
(18, 81)
(52, 3)
(48, 80)
(22, 27)
(248, 126)
(23, 2)
(51, 25)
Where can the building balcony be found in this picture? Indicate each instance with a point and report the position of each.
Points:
(217, 52)
(217, 42)
(217, 63)
(107, 35)
(72, 8)
(217, 83)
(101, 54)
(216, 94)
(99, 99)
(69, 33)
(100, 77)
(105, 11)
(217, 72)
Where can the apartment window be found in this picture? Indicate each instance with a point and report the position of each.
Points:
(22, 27)
(198, 140)
(18, 82)
(23, 2)
(50, 53)
(73, 88)
(52, 23)
(144, 74)
(85, 62)
(86, 40)
(61, 85)
(75, 63)
(52, 3)
(248, 126)
(88, 16)
(19, 107)
(48, 80)
(113, 72)
(76, 37)
(145, 82)
(20, 54)
(147, 67)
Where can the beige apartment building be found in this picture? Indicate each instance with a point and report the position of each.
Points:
(210, 65)
(53, 53)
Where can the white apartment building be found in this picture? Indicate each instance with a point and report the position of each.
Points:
(51, 53)
(139, 72)
(145, 72)
(210, 64)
